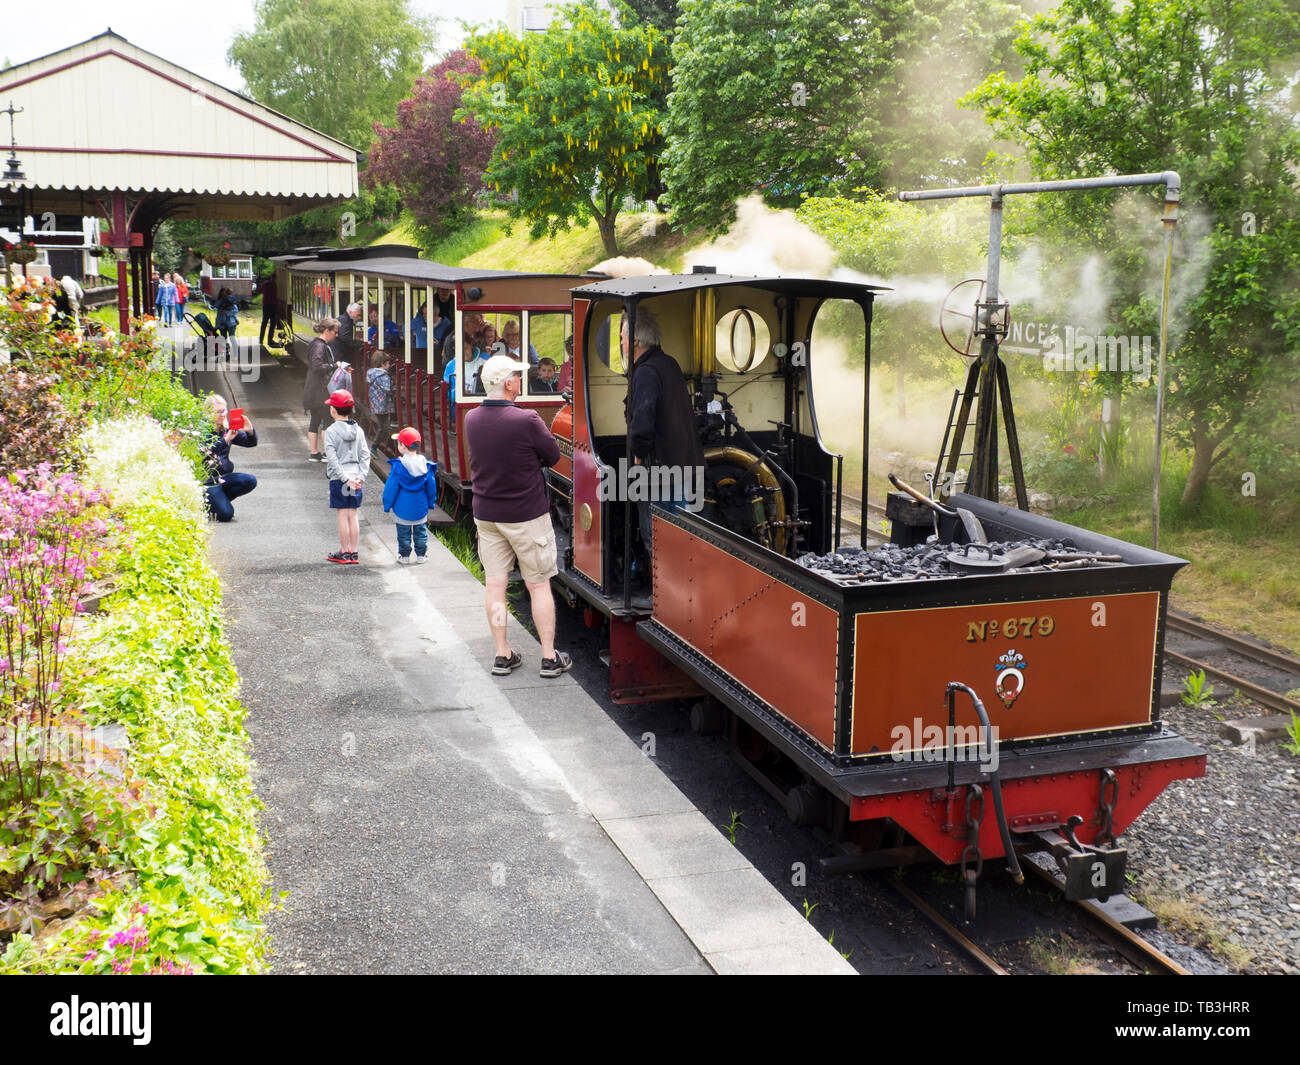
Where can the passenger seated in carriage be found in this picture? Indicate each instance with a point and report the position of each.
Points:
(392, 332)
(476, 355)
(512, 337)
(544, 378)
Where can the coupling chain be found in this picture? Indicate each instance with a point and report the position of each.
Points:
(974, 818)
(1106, 834)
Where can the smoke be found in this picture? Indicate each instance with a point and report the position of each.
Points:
(766, 243)
(627, 266)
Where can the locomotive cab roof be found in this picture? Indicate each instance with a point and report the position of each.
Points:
(664, 284)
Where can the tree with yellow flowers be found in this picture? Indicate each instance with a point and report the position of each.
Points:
(578, 129)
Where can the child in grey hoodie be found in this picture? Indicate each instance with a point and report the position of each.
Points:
(347, 461)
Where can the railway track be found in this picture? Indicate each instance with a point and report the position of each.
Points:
(1225, 657)
(851, 520)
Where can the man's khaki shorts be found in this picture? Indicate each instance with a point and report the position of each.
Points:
(531, 542)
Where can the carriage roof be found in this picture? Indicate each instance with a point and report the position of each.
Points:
(404, 268)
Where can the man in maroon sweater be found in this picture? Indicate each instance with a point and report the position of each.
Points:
(509, 447)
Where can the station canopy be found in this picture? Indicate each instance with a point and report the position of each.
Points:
(104, 116)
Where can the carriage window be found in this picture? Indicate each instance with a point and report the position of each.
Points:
(550, 349)
(480, 340)
(742, 340)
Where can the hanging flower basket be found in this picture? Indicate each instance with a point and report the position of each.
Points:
(217, 258)
(24, 253)
(97, 251)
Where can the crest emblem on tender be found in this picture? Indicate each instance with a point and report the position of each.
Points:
(1011, 677)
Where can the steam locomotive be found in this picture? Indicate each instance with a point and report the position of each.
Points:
(887, 694)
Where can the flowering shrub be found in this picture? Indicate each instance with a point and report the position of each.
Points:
(131, 457)
(48, 528)
(129, 951)
(36, 425)
(110, 368)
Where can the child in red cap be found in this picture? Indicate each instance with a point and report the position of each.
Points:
(347, 461)
(410, 492)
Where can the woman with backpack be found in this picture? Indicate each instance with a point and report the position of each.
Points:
(320, 367)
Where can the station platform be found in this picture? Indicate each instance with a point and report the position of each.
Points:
(425, 816)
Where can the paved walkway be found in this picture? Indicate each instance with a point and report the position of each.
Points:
(425, 816)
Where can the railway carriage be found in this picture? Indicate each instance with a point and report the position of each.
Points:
(396, 285)
(882, 703)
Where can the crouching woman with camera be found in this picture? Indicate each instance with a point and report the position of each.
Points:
(224, 484)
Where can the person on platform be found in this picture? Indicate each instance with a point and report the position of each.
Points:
(269, 290)
(182, 296)
(345, 343)
(315, 393)
(227, 318)
(410, 492)
(379, 384)
(224, 484)
(347, 461)
(509, 447)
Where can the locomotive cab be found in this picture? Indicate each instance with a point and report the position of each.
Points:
(742, 345)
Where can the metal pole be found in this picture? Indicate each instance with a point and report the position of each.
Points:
(1169, 221)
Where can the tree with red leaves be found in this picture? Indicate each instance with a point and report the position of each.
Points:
(435, 163)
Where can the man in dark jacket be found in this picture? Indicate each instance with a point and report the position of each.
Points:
(343, 345)
(270, 293)
(509, 447)
(661, 423)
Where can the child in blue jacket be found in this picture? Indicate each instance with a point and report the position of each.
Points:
(410, 493)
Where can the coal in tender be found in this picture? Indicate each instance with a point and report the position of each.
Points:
(891, 563)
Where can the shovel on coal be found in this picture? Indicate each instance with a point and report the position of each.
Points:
(948, 521)
(965, 562)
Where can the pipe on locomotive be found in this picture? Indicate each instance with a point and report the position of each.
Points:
(954, 686)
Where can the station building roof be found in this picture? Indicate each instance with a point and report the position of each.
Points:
(104, 116)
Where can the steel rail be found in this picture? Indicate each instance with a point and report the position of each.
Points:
(1241, 645)
(1123, 939)
(946, 927)
(1264, 696)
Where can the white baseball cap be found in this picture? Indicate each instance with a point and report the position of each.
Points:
(498, 368)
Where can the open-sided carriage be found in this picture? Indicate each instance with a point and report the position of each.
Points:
(395, 288)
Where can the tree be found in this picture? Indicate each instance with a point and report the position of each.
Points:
(779, 98)
(335, 65)
(947, 48)
(578, 132)
(661, 14)
(1197, 86)
(435, 163)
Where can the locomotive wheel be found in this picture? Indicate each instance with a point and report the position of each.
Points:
(708, 717)
(806, 805)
